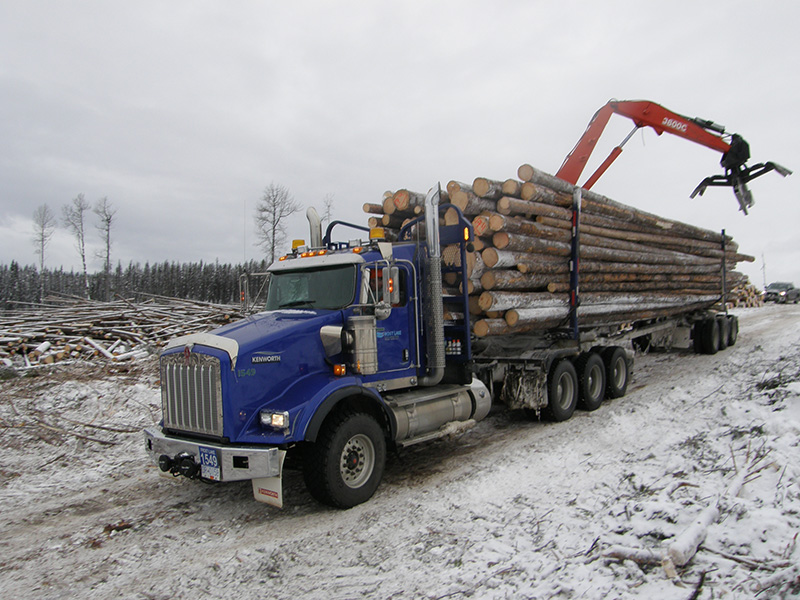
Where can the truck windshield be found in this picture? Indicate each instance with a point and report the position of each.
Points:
(328, 288)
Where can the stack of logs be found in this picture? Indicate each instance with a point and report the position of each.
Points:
(634, 265)
(745, 295)
(73, 328)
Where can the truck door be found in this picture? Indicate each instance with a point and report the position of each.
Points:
(397, 352)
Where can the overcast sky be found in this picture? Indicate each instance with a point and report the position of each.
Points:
(182, 112)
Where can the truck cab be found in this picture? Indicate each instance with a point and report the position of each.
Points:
(346, 358)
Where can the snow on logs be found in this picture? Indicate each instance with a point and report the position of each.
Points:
(633, 264)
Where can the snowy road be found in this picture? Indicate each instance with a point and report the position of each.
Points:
(511, 509)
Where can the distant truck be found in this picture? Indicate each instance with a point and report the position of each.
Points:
(359, 349)
(781, 292)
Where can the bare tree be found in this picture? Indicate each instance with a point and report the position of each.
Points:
(74, 220)
(327, 208)
(275, 206)
(105, 212)
(44, 225)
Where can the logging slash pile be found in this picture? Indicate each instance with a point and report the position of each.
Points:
(633, 265)
(74, 328)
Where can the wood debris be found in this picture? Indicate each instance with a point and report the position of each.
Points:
(68, 328)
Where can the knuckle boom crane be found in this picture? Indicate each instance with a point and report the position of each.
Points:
(735, 150)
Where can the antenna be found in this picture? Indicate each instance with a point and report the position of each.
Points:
(764, 269)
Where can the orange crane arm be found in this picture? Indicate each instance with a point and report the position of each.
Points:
(643, 113)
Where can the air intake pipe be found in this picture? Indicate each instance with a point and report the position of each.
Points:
(432, 310)
(315, 227)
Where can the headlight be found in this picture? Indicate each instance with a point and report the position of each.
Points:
(276, 420)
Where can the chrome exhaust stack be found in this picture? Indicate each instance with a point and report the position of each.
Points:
(432, 312)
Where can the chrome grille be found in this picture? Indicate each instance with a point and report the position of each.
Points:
(191, 394)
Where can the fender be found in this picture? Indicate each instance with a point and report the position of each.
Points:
(327, 405)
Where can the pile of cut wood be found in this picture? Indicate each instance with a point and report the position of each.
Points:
(74, 328)
(633, 265)
(745, 295)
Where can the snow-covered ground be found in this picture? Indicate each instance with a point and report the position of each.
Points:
(511, 509)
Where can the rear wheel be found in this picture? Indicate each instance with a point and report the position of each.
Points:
(724, 331)
(562, 391)
(709, 336)
(345, 465)
(617, 372)
(733, 329)
(591, 380)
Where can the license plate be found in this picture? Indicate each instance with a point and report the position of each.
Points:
(209, 463)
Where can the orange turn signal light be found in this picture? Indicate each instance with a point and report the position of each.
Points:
(339, 370)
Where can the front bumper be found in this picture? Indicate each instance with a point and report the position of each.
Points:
(234, 463)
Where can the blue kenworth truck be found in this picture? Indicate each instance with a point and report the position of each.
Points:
(360, 349)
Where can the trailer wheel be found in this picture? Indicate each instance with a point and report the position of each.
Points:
(617, 372)
(724, 331)
(591, 380)
(345, 465)
(710, 336)
(733, 329)
(562, 391)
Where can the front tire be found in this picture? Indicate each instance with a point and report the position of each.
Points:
(345, 465)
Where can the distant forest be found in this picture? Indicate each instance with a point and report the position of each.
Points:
(21, 286)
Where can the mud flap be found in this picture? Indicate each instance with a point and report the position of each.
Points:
(524, 389)
(270, 489)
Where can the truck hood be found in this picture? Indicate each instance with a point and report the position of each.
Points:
(272, 356)
(265, 332)
(270, 331)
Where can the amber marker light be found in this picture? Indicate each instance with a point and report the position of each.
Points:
(339, 370)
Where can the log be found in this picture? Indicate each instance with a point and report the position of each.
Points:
(603, 314)
(501, 259)
(470, 204)
(512, 187)
(487, 188)
(456, 186)
(375, 209)
(480, 225)
(515, 206)
(539, 193)
(405, 200)
(593, 202)
(497, 327)
(513, 280)
(520, 243)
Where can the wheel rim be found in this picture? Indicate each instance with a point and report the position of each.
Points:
(596, 381)
(565, 391)
(357, 461)
(619, 373)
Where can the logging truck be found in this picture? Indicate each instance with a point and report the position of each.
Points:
(408, 335)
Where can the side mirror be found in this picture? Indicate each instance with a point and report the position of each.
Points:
(391, 285)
